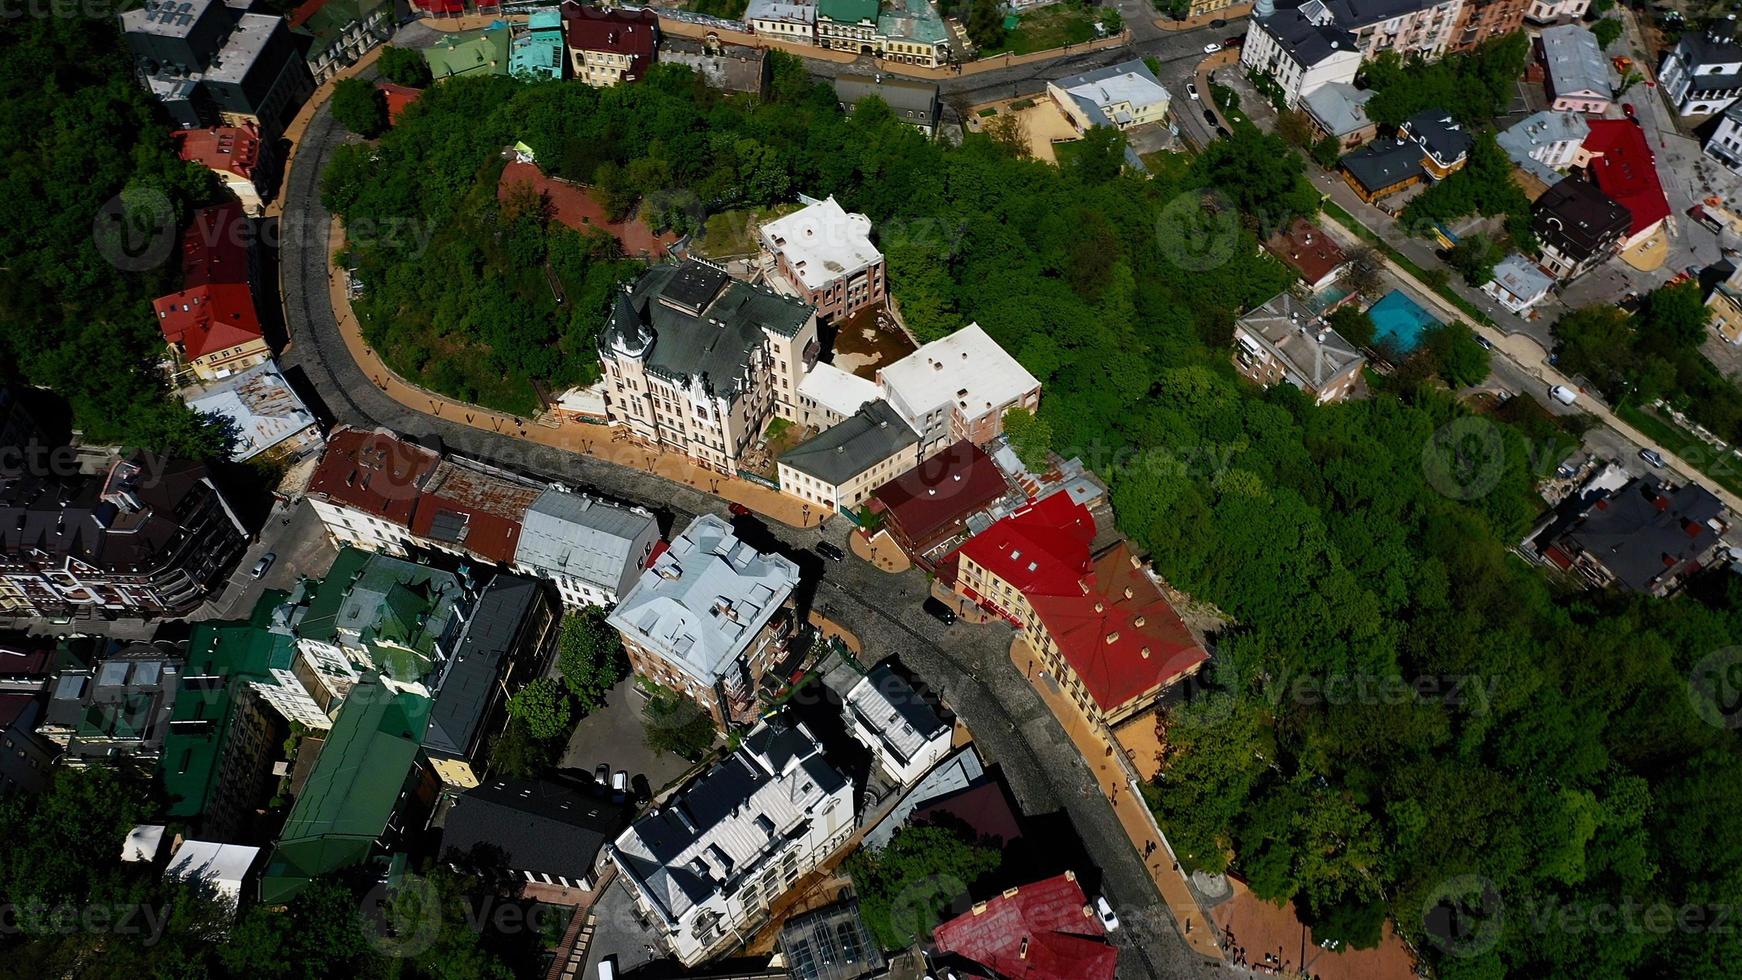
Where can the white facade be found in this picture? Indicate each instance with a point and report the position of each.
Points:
(350, 526)
(1297, 68)
(1725, 144)
(783, 19)
(1518, 284)
(886, 715)
(1425, 31)
(1702, 74)
(958, 387)
(1122, 96)
(1553, 11)
(288, 697)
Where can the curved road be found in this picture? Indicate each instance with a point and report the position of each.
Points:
(969, 666)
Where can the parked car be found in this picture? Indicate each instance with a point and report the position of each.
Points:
(1652, 456)
(620, 784)
(1235, 41)
(1212, 48)
(1627, 107)
(1485, 342)
(601, 774)
(608, 968)
(1210, 117)
(1222, 132)
(830, 551)
(265, 562)
(1218, 22)
(938, 611)
(1109, 921)
(1563, 394)
(1192, 91)
(737, 509)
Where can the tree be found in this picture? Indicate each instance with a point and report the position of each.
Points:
(905, 888)
(673, 723)
(1457, 357)
(403, 66)
(1008, 131)
(516, 753)
(1261, 175)
(1474, 258)
(1607, 30)
(1326, 152)
(1030, 436)
(1297, 128)
(1675, 319)
(543, 707)
(1098, 157)
(589, 655)
(359, 107)
(1364, 274)
(986, 24)
(1353, 324)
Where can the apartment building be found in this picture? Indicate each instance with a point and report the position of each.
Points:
(1577, 71)
(706, 865)
(904, 732)
(958, 387)
(1339, 111)
(1646, 536)
(1123, 96)
(117, 711)
(1485, 20)
(264, 412)
(247, 166)
(1300, 53)
(211, 63)
(927, 508)
(910, 32)
(1702, 74)
(608, 45)
(841, 467)
(551, 832)
(1424, 28)
(592, 549)
(1624, 167)
(339, 32)
(1547, 144)
(825, 255)
(699, 363)
(1556, 11)
(211, 325)
(1284, 340)
(790, 20)
(367, 486)
(913, 102)
(1579, 227)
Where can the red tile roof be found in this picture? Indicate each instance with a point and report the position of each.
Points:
(1042, 548)
(588, 28)
(942, 490)
(399, 98)
(207, 319)
(26, 656)
(473, 510)
(573, 205)
(375, 472)
(1041, 931)
(235, 149)
(1305, 248)
(215, 246)
(1625, 169)
(1118, 632)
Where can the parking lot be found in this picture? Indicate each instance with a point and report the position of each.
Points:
(612, 735)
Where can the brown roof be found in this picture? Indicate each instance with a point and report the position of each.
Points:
(472, 509)
(375, 472)
(635, 34)
(1305, 248)
(945, 488)
(575, 206)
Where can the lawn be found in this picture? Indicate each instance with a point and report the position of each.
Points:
(1048, 28)
(728, 9)
(1673, 438)
(731, 233)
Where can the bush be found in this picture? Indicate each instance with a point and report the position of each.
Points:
(360, 107)
(673, 723)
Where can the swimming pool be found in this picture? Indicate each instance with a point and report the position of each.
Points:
(1400, 320)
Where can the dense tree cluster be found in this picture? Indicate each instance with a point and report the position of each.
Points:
(1485, 187)
(1474, 87)
(919, 879)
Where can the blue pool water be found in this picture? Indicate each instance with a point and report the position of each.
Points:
(1400, 319)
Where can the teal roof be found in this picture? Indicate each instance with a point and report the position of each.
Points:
(222, 659)
(912, 20)
(545, 20)
(848, 11)
(540, 54)
(480, 52)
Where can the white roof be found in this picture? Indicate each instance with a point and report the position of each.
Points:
(574, 535)
(142, 842)
(1521, 277)
(785, 11)
(223, 866)
(836, 390)
(1139, 89)
(704, 599)
(967, 369)
(904, 723)
(260, 402)
(823, 242)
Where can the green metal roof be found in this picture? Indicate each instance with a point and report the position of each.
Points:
(396, 609)
(480, 52)
(848, 11)
(912, 20)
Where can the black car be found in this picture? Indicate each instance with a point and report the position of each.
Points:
(1210, 117)
(938, 611)
(1218, 22)
(830, 552)
(1223, 133)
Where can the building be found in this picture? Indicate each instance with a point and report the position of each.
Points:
(1485, 20)
(1702, 74)
(209, 63)
(958, 387)
(700, 363)
(1284, 340)
(1578, 74)
(1556, 11)
(229, 870)
(727, 67)
(926, 509)
(268, 417)
(708, 617)
(551, 833)
(909, 32)
(1623, 167)
(539, 50)
(339, 32)
(399, 98)
(1724, 306)
(247, 166)
(1198, 8)
(1312, 254)
(609, 45)
(367, 485)
(1578, 226)
(1547, 144)
(831, 943)
(1339, 111)
(26, 758)
(1299, 52)
(213, 329)
(787, 20)
(1725, 143)
(368, 787)
(983, 807)
(1445, 144)
(117, 711)
(472, 510)
(151, 537)
(1518, 283)
(838, 469)
(913, 102)
(1122, 96)
(829, 396)
(592, 549)
(1424, 28)
(903, 731)
(480, 52)
(1646, 537)
(825, 255)
(510, 634)
(1382, 168)
(1043, 931)
(705, 866)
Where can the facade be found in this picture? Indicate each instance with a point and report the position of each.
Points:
(1484, 20)
(550, 831)
(1299, 52)
(1646, 537)
(1283, 340)
(824, 253)
(1312, 254)
(1339, 111)
(1122, 96)
(829, 396)
(247, 165)
(700, 363)
(708, 618)
(211, 325)
(26, 758)
(904, 733)
(1382, 168)
(727, 67)
(958, 387)
(913, 102)
(366, 487)
(1702, 74)
(1725, 143)
(906, 31)
(117, 711)
(1424, 28)
(1578, 74)
(209, 63)
(149, 538)
(1555, 11)
(1547, 144)
(926, 509)
(338, 32)
(269, 419)
(539, 50)
(1624, 167)
(608, 45)
(705, 866)
(592, 549)
(1518, 283)
(1724, 306)
(783, 19)
(838, 469)
(1579, 227)
(1043, 931)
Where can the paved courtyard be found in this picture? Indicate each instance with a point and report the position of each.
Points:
(613, 735)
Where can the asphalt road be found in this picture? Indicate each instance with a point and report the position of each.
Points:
(1012, 726)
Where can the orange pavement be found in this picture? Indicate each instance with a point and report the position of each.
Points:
(1133, 813)
(880, 550)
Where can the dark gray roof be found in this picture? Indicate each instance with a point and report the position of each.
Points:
(544, 826)
(1439, 134)
(907, 702)
(873, 434)
(1304, 41)
(468, 685)
(1356, 14)
(831, 943)
(913, 102)
(1382, 163)
(703, 324)
(1576, 218)
(1643, 532)
(1700, 48)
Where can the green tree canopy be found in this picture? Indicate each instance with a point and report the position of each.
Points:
(403, 66)
(590, 657)
(906, 887)
(544, 707)
(359, 107)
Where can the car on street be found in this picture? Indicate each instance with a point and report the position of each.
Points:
(1192, 91)
(938, 611)
(1222, 132)
(1210, 117)
(1652, 456)
(601, 774)
(1234, 42)
(1218, 22)
(265, 562)
(1109, 921)
(1212, 48)
(830, 551)
(1627, 107)
(620, 785)
(1485, 342)
(737, 509)
(1563, 394)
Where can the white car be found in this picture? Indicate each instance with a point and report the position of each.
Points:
(1212, 48)
(1109, 921)
(1192, 91)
